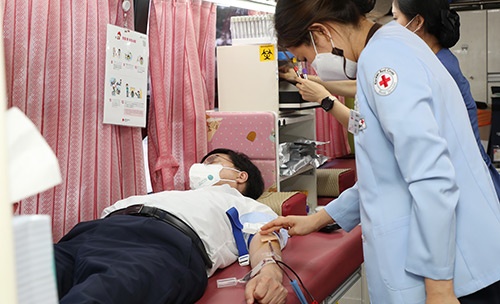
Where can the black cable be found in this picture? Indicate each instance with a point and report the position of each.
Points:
(296, 275)
(279, 263)
(282, 269)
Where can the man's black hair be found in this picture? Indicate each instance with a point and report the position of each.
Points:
(255, 183)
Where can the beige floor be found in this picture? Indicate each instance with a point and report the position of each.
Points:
(358, 294)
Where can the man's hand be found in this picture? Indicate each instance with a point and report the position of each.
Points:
(266, 287)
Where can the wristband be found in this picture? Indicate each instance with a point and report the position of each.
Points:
(228, 282)
(256, 270)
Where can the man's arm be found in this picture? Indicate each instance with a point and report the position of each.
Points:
(266, 286)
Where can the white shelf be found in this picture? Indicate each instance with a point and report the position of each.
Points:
(292, 118)
(303, 170)
(257, 40)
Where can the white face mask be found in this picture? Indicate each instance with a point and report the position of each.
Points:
(201, 175)
(330, 67)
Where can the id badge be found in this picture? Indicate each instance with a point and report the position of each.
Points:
(354, 122)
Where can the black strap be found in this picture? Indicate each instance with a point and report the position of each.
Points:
(340, 52)
(170, 219)
(372, 31)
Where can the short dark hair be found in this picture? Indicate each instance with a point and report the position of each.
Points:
(293, 18)
(440, 21)
(255, 183)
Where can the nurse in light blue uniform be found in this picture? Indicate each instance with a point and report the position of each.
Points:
(429, 211)
(427, 203)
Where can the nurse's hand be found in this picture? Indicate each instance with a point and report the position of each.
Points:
(311, 90)
(298, 225)
(266, 287)
(440, 292)
(288, 74)
(442, 299)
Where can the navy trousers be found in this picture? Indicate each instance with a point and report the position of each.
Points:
(128, 259)
(488, 295)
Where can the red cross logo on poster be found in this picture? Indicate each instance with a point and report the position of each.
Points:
(385, 81)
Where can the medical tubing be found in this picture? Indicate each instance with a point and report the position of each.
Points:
(279, 263)
(221, 283)
(298, 292)
(228, 282)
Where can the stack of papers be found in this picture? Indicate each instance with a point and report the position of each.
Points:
(35, 269)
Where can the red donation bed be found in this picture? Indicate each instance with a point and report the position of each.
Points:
(327, 263)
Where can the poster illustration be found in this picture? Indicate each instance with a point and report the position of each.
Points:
(126, 76)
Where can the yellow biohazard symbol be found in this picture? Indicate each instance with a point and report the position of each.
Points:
(267, 52)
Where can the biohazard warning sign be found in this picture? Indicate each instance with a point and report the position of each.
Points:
(267, 52)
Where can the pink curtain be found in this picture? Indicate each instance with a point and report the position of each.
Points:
(182, 64)
(55, 56)
(328, 129)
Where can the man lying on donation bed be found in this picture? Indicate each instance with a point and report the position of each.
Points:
(162, 247)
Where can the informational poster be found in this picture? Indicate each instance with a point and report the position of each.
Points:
(127, 54)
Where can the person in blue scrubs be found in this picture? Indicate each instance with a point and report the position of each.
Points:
(429, 210)
(439, 27)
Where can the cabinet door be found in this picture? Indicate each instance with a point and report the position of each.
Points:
(494, 41)
(471, 51)
(248, 78)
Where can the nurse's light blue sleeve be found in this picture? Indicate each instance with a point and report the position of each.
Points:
(345, 209)
(408, 121)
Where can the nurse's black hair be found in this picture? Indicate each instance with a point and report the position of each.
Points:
(255, 183)
(293, 18)
(440, 21)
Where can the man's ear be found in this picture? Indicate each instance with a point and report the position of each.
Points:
(242, 177)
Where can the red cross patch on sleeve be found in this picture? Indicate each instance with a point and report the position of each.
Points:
(385, 81)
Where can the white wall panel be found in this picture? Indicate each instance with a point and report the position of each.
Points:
(471, 51)
(494, 41)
